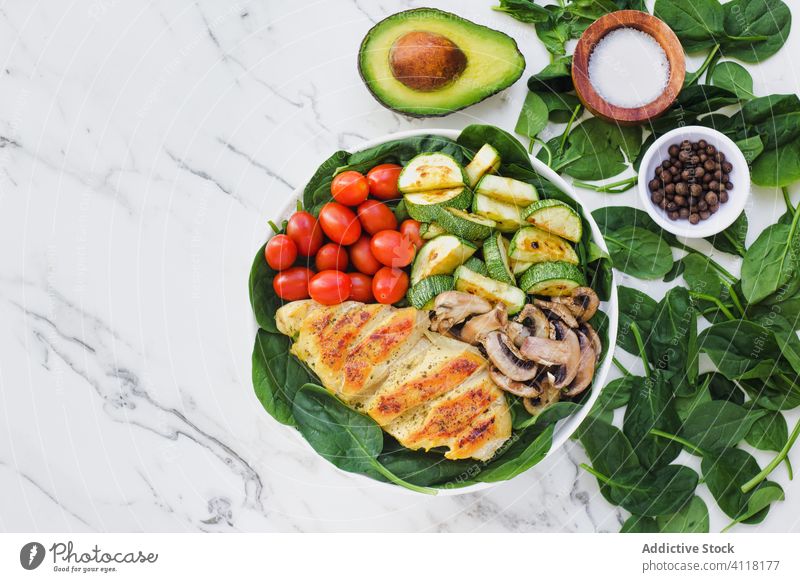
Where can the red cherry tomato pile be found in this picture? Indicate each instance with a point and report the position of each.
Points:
(355, 244)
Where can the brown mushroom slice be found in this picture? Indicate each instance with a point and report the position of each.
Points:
(582, 303)
(549, 396)
(524, 390)
(517, 332)
(478, 326)
(557, 310)
(504, 355)
(586, 365)
(535, 320)
(564, 353)
(453, 307)
(594, 338)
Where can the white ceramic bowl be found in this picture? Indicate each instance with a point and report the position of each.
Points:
(739, 176)
(565, 427)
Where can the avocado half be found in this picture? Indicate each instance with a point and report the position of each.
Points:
(427, 62)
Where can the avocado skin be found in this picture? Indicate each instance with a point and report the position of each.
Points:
(443, 111)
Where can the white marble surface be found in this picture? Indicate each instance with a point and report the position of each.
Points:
(143, 146)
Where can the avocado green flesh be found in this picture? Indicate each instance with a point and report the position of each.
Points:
(493, 62)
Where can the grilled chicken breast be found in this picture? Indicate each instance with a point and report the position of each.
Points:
(424, 389)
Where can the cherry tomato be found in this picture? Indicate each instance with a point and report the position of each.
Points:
(389, 285)
(392, 248)
(376, 216)
(331, 256)
(292, 284)
(383, 181)
(362, 258)
(339, 223)
(281, 252)
(410, 230)
(305, 232)
(361, 288)
(350, 188)
(330, 287)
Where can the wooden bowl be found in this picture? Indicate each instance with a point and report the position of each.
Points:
(661, 33)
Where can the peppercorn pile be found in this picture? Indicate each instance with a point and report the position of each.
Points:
(693, 182)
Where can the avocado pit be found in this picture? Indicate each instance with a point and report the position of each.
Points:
(426, 61)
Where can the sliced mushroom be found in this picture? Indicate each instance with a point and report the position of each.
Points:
(453, 307)
(586, 364)
(517, 332)
(478, 326)
(550, 395)
(504, 355)
(564, 352)
(557, 311)
(525, 390)
(582, 303)
(594, 338)
(535, 320)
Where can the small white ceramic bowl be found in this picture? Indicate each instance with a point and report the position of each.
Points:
(739, 176)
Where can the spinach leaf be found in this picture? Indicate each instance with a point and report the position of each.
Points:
(426, 469)
(751, 147)
(685, 405)
(741, 350)
(511, 151)
(651, 407)
(342, 436)
(523, 10)
(639, 252)
(697, 23)
(263, 299)
(718, 425)
(770, 262)
(277, 375)
(672, 343)
(725, 473)
(721, 388)
(318, 190)
(733, 77)
(596, 150)
(529, 448)
(758, 504)
(560, 105)
(662, 491)
(774, 118)
(774, 393)
(610, 218)
(755, 29)
(634, 307)
(691, 518)
(701, 276)
(616, 394)
(533, 117)
(550, 415)
(639, 524)
(693, 103)
(779, 167)
(556, 77)
(769, 432)
(732, 239)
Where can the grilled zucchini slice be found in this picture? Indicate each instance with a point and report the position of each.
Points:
(429, 230)
(430, 171)
(475, 264)
(534, 245)
(441, 256)
(424, 206)
(464, 224)
(556, 217)
(425, 291)
(506, 216)
(495, 253)
(494, 291)
(507, 190)
(551, 279)
(519, 267)
(486, 161)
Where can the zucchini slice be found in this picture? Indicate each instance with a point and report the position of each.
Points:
(464, 224)
(426, 290)
(556, 217)
(507, 216)
(430, 171)
(441, 256)
(507, 190)
(495, 253)
(429, 230)
(494, 291)
(423, 206)
(534, 245)
(475, 264)
(519, 267)
(551, 279)
(486, 161)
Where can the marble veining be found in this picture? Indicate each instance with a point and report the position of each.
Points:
(143, 148)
